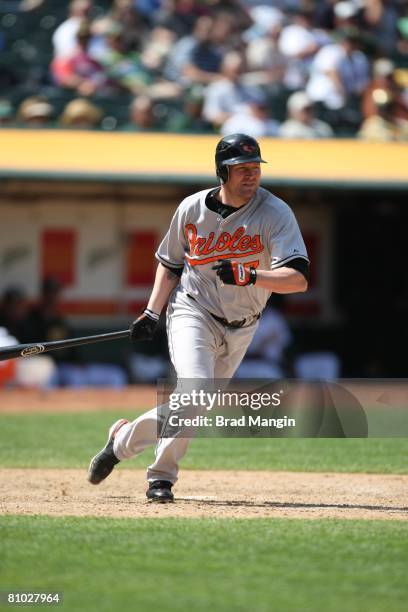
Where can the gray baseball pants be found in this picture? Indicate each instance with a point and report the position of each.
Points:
(200, 347)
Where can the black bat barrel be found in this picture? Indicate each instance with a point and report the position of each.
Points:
(27, 350)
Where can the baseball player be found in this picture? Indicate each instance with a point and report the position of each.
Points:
(227, 249)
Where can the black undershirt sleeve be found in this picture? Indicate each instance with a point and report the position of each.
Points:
(299, 264)
(177, 271)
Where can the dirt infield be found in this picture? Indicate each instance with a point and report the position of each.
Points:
(20, 401)
(218, 494)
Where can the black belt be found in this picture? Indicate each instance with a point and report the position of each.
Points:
(233, 324)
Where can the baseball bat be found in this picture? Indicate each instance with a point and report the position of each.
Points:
(27, 350)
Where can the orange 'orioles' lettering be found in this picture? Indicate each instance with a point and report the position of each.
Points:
(226, 246)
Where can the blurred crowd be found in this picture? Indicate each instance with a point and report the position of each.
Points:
(283, 68)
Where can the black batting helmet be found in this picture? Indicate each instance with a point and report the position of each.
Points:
(235, 149)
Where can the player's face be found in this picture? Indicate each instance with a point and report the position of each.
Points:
(243, 181)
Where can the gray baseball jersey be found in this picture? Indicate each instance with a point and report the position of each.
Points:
(264, 233)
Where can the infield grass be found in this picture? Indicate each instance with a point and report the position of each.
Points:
(176, 564)
(70, 440)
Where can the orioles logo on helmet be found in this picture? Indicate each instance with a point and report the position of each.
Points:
(248, 148)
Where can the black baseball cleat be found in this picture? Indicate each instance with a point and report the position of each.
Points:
(159, 491)
(104, 462)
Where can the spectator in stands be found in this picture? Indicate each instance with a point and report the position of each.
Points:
(135, 26)
(6, 113)
(254, 119)
(79, 71)
(45, 321)
(65, 36)
(178, 16)
(233, 9)
(183, 48)
(346, 14)
(81, 114)
(299, 42)
(230, 94)
(402, 43)
(13, 313)
(383, 78)
(157, 49)
(324, 14)
(332, 15)
(339, 71)
(149, 9)
(122, 68)
(189, 117)
(264, 59)
(35, 112)
(206, 56)
(380, 21)
(142, 116)
(400, 57)
(265, 19)
(154, 56)
(301, 122)
(384, 124)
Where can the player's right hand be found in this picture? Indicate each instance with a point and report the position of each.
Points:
(144, 326)
(234, 273)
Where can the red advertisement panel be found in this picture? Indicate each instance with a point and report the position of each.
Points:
(58, 255)
(140, 261)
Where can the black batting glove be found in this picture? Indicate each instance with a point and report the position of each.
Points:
(234, 273)
(144, 326)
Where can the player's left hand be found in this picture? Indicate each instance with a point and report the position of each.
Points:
(144, 326)
(234, 273)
